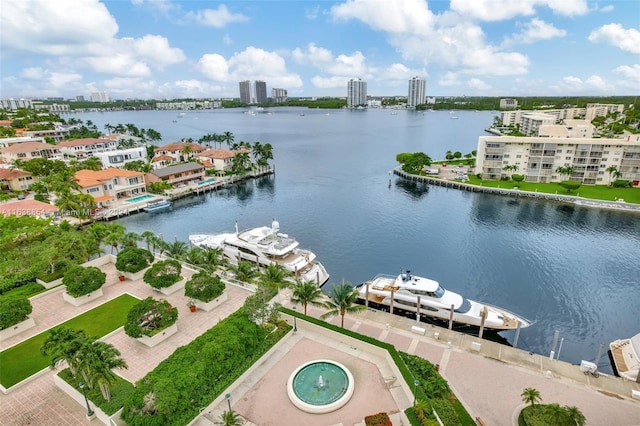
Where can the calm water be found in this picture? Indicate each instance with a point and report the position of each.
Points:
(571, 269)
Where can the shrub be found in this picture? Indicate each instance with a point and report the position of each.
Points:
(80, 280)
(13, 310)
(621, 183)
(204, 287)
(517, 178)
(133, 259)
(570, 185)
(163, 274)
(149, 317)
(446, 412)
(380, 419)
(18, 279)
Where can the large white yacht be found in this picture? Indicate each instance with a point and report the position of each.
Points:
(266, 245)
(625, 357)
(435, 302)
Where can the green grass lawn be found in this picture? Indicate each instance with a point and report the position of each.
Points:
(24, 359)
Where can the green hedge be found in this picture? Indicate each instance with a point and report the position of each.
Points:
(195, 374)
(204, 287)
(81, 280)
(121, 391)
(13, 310)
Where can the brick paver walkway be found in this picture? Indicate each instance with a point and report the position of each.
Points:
(40, 402)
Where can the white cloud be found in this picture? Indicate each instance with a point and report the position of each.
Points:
(534, 31)
(332, 82)
(617, 36)
(250, 64)
(608, 8)
(217, 18)
(592, 84)
(500, 10)
(630, 75)
(398, 16)
(477, 84)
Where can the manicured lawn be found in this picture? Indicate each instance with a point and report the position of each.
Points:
(595, 192)
(24, 359)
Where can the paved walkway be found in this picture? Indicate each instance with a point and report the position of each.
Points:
(39, 402)
(488, 386)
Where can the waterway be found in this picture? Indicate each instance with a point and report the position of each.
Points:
(571, 269)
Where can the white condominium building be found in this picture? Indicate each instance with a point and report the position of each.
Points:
(538, 158)
(99, 97)
(356, 93)
(417, 92)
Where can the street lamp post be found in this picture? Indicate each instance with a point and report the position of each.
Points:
(228, 396)
(416, 382)
(295, 324)
(84, 392)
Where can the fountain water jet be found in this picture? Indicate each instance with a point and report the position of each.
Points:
(320, 386)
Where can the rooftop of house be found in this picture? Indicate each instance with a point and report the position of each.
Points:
(88, 178)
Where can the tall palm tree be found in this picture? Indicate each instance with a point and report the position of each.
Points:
(212, 258)
(97, 360)
(177, 249)
(557, 414)
(228, 138)
(565, 171)
(194, 255)
(575, 416)
(230, 418)
(63, 345)
(305, 293)
(531, 396)
(114, 235)
(149, 239)
(342, 300)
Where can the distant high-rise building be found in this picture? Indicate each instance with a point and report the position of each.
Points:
(279, 95)
(356, 93)
(79, 98)
(261, 92)
(417, 92)
(99, 97)
(245, 92)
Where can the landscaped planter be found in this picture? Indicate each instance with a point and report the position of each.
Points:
(134, 275)
(172, 288)
(208, 306)
(79, 301)
(79, 398)
(51, 284)
(160, 337)
(17, 328)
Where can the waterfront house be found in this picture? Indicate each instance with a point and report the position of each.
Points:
(178, 175)
(109, 184)
(539, 158)
(81, 149)
(28, 208)
(5, 142)
(221, 159)
(180, 151)
(15, 179)
(29, 150)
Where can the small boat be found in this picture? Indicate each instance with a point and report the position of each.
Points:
(266, 245)
(453, 117)
(405, 290)
(157, 205)
(625, 357)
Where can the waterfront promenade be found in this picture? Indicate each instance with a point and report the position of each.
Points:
(448, 180)
(488, 380)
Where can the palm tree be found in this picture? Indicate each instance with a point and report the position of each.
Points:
(114, 235)
(274, 276)
(531, 396)
(342, 300)
(611, 170)
(565, 171)
(194, 255)
(228, 138)
(186, 152)
(230, 418)
(575, 416)
(305, 293)
(149, 239)
(557, 414)
(91, 163)
(63, 345)
(177, 249)
(97, 360)
(244, 271)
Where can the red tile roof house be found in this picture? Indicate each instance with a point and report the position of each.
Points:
(28, 208)
(15, 179)
(175, 151)
(111, 184)
(84, 148)
(180, 174)
(221, 158)
(29, 150)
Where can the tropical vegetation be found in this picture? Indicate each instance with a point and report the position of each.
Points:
(307, 293)
(13, 310)
(537, 414)
(163, 274)
(149, 317)
(342, 300)
(133, 259)
(204, 287)
(80, 280)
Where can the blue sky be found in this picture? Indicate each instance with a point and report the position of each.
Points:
(165, 49)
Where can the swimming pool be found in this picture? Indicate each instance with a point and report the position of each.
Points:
(204, 182)
(139, 198)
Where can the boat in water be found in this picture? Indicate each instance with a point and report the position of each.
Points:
(157, 205)
(407, 292)
(625, 358)
(266, 246)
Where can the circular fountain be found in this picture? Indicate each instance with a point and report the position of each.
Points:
(320, 386)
